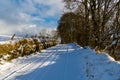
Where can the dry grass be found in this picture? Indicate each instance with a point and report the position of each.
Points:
(5, 48)
(22, 48)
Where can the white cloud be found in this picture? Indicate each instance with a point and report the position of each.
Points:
(33, 26)
(4, 28)
(21, 28)
(17, 18)
(55, 7)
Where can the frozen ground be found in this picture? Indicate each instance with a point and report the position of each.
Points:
(62, 62)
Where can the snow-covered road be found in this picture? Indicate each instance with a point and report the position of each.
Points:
(55, 63)
(62, 62)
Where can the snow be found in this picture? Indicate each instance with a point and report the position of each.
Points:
(114, 42)
(5, 39)
(100, 66)
(62, 62)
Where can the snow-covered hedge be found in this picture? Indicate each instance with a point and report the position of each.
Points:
(23, 47)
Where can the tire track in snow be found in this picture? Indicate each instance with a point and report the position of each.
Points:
(66, 66)
(27, 65)
(48, 69)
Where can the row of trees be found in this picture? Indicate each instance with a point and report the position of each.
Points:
(92, 22)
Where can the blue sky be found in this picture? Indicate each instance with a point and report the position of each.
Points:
(29, 16)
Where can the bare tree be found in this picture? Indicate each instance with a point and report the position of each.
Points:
(97, 23)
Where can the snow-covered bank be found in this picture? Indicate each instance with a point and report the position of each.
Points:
(99, 66)
(62, 62)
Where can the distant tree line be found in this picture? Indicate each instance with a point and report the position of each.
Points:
(94, 23)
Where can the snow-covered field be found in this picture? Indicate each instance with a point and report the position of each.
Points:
(62, 62)
(5, 38)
